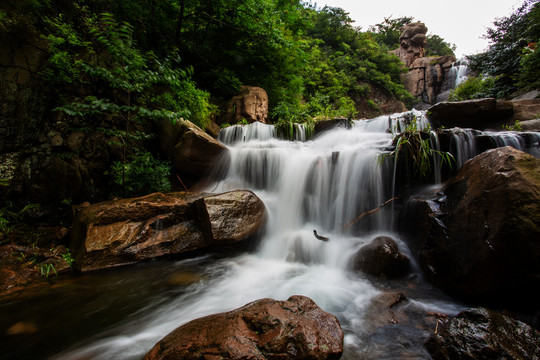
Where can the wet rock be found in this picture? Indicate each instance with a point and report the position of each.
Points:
(479, 236)
(264, 329)
(476, 114)
(484, 334)
(126, 231)
(325, 125)
(190, 149)
(382, 258)
(251, 104)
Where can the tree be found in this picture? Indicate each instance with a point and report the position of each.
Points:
(507, 58)
(388, 32)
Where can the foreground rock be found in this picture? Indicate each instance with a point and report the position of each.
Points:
(264, 329)
(477, 114)
(479, 236)
(382, 258)
(191, 150)
(484, 334)
(131, 230)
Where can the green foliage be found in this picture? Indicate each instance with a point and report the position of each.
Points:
(507, 58)
(516, 127)
(45, 269)
(10, 216)
(475, 87)
(416, 146)
(436, 46)
(143, 175)
(388, 32)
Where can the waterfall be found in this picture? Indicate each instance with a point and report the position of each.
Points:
(458, 73)
(321, 184)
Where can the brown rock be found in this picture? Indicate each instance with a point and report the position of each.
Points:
(130, 230)
(262, 330)
(251, 104)
(526, 109)
(382, 258)
(190, 149)
(479, 236)
(484, 334)
(412, 42)
(476, 114)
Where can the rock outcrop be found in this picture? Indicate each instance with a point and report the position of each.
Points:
(127, 231)
(412, 42)
(427, 75)
(251, 104)
(484, 334)
(426, 78)
(476, 114)
(479, 236)
(526, 109)
(190, 149)
(382, 258)
(262, 330)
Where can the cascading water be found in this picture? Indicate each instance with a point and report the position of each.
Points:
(458, 73)
(322, 185)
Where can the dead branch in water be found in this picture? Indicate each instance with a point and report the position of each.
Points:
(369, 212)
(181, 182)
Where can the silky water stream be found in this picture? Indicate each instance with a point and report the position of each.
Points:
(322, 185)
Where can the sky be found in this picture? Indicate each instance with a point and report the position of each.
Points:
(459, 22)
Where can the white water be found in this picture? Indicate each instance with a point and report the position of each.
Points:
(322, 185)
(458, 73)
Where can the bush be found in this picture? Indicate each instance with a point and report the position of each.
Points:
(474, 87)
(143, 175)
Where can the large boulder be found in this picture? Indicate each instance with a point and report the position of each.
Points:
(479, 236)
(262, 330)
(484, 334)
(382, 258)
(190, 149)
(476, 114)
(126, 231)
(251, 104)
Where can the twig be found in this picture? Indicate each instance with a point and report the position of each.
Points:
(369, 212)
(181, 182)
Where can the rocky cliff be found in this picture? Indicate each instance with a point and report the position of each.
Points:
(428, 76)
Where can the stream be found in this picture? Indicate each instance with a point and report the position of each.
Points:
(321, 184)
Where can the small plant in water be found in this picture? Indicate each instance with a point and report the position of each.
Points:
(46, 270)
(419, 150)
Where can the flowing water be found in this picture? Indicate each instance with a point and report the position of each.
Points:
(321, 184)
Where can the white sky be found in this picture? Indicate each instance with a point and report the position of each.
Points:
(459, 22)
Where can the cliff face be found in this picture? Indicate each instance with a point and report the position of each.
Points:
(428, 76)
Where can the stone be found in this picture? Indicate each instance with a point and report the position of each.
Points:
(265, 329)
(479, 236)
(484, 334)
(477, 114)
(427, 76)
(412, 41)
(75, 140)
(382, 258)
(190, 149)
(526, 109)
(251, 104)
(329, 124)
(127, 231)
(530, 125)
